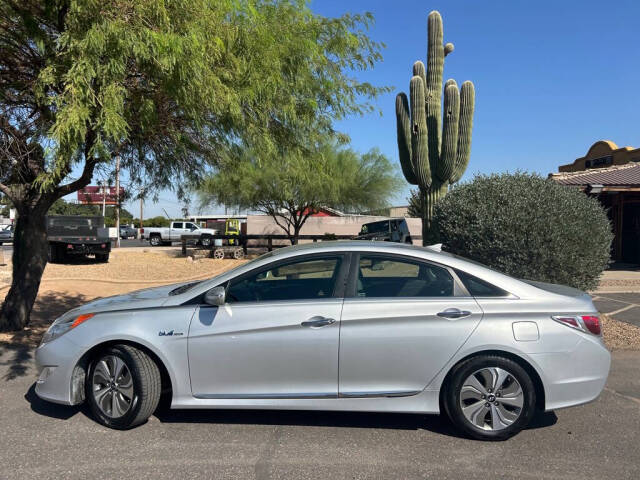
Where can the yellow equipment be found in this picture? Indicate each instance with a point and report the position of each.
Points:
(232, 227)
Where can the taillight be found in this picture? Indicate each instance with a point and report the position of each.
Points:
(592, 322)
(585, 323)
(142, 230)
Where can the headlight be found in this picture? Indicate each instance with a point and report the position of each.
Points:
(63, 324)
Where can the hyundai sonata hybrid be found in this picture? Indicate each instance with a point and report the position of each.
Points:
(347, 325)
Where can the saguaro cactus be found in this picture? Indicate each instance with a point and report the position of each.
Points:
(434, 151)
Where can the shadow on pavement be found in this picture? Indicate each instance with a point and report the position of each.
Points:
(48, 409)
(16, 353)
(398, 421)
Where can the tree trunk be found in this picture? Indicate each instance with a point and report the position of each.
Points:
(30, 251)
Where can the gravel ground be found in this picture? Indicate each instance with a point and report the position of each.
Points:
(620, 335)
(64, 286)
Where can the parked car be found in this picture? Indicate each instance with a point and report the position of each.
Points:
(127, 231)
(167, 235)
(72, 235)
(392, 230)
(6, 234)
(354, 326)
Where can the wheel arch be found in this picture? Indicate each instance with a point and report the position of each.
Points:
(524, 363)
(80, 369)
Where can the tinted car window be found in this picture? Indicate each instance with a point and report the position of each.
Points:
(298, 280)
(177, 225)
(380, 276)
(479, 288)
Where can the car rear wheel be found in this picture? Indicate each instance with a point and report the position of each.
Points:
(123, 387)
(205, 241)
(490, 397)
(155, 240)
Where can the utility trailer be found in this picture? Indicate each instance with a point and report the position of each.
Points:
(77, 236)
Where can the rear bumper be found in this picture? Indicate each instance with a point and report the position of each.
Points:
(85, 248)
(576, 377)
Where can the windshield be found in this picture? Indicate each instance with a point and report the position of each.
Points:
(188, 286)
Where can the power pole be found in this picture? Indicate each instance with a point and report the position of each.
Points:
(141, 205)
(118, 201)
(104, 197)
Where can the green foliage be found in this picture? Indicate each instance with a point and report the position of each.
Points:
(434, 151)
(527, 227)
(158, 221)
(172, 85)
(169, 86)
(290, 188)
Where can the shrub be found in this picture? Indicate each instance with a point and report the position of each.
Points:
(527, 227)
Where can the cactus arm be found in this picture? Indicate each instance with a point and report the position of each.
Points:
(447, 164)
(435, 68)
(467, 105)
(419, 143)
(451, 81)
(404, 138)
(419, 70)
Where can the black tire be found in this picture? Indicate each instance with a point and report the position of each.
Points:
(155, 240)
(102, 257)
(147, 387)
(452, 391)
(205, 241)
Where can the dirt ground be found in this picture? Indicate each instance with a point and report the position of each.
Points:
(65, 286)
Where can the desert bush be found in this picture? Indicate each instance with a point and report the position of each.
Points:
(527, 227)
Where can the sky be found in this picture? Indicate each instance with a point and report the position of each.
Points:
(551, 78)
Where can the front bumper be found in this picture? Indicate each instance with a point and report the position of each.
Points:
(575, 377)
(56, 361)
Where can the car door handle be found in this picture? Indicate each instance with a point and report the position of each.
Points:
(317, 322)
(454, 313)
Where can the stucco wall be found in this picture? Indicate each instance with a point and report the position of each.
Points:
(350, 225)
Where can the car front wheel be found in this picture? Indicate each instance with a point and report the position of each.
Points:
(123, 387)
(490, 397)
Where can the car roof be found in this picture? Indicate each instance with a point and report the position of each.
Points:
(514, 286)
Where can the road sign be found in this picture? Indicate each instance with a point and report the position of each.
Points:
(96, 195)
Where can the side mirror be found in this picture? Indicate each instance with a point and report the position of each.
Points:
(216, 296)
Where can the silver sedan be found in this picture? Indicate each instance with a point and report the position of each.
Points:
(357, 326)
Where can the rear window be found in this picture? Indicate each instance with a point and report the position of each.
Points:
(376, 227)
(480, 288)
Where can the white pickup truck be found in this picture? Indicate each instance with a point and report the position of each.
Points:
(167, 235)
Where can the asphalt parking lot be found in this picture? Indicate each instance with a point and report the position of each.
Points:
(624, 307)
(41, 440)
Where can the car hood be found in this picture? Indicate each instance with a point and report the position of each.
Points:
(146, 298)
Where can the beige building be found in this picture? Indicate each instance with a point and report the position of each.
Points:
(602, 154)
(612, 175)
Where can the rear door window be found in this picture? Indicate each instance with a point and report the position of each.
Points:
(381, 276)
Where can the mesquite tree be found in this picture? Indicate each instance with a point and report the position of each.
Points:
(290, 187)
(168, 85)
(434, 141)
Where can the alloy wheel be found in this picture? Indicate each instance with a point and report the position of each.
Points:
(112, 386)
(491, 399)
